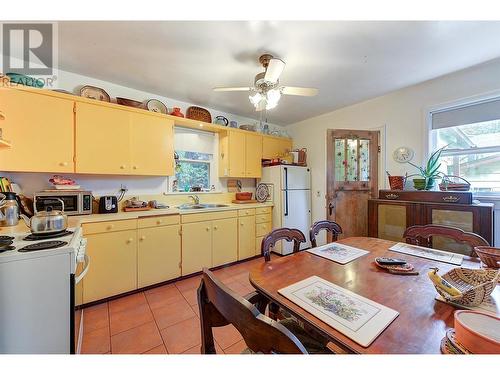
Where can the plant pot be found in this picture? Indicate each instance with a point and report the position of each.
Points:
(419, 183)
(430, 183)
(397, 182)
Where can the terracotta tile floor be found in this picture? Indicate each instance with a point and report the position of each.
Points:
(161, 320)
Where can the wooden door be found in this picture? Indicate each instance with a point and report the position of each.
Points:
(152, 145)
(237, 154)
(113, 267)
(158, 254)
(40, 129)
(246, 237)
(196, 247)
(352, 170)
(253, 155)
(224, 241)
(102, 140)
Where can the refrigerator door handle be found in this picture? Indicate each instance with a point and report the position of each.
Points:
(285, 170)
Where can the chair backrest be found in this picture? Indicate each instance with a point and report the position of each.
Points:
(287, 234)
(330, 226)
(422, 235)
(219, 306)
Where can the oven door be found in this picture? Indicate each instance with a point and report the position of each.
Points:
(82, 268)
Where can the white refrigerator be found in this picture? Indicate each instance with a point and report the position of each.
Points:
(290, 188)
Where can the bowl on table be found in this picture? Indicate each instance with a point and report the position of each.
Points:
(478, 332)
(490, 256)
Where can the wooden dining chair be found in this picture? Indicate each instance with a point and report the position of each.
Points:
(330, 226)
(421, 235)
(220, 306)
(287, 234)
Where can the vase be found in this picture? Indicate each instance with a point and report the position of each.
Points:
(177, 112)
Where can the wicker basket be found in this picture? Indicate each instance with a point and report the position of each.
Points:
(475, 285)
(199, 114)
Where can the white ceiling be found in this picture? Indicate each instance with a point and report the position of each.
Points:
(347, 61)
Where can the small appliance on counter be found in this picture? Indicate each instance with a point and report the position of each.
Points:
(108, 204)
(75, 202)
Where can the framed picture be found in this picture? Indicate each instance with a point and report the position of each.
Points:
(339, 253)
(357, 317)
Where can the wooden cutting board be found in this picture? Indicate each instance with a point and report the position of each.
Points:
(245, 201)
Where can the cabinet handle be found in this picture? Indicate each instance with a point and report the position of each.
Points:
(2, 116)
(130, 240)
(215, 228)
(63, 163)
(241, 224)
(142, 238)
(134, 167)
(122, 167)
(158, 221)
(207, 229)
(110, 226)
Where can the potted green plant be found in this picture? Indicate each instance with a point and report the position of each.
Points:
(429, 173)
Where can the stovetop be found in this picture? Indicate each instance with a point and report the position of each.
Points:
(42, 245)
(41, 237)
(28, 242)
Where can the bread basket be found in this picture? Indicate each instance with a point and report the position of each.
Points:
(475, 285)
(198, 114)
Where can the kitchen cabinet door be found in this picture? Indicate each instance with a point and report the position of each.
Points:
(102, 140)
(196, 247)
(246, 237)
(275, 147)
(40, 129)
(253, 155)
(158, 255)
(113, 265)
(224, 241)
(237, 155)
(152, 145)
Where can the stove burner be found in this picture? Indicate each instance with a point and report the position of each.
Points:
(6, 248)
(6, 238)
(42, 246)
(36, 237)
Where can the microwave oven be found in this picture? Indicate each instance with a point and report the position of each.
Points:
(76, 202)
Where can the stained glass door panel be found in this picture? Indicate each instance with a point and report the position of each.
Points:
(352, 159)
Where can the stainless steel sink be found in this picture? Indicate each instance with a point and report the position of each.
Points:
(200, 206)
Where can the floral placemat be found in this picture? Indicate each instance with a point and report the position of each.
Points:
(339, 253)
(427, 253)
(357, 317)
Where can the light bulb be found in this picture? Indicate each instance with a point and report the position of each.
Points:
(273, 97)
(255, 98)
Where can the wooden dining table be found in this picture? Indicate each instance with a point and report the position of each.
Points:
(422, 320)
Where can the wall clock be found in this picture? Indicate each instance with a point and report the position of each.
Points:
(403, 154)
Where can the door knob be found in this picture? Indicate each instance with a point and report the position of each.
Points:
(330, 208)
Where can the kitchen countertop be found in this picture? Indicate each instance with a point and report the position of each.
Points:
(75, 221)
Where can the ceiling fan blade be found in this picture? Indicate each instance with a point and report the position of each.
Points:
(301, 91)
(232, 88)
(274, 70)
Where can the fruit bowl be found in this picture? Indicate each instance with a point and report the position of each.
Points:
(490, 256)
(475, 285)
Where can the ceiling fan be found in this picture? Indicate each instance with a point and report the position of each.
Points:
(266, 92)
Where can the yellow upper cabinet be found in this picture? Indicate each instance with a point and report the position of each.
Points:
(102, 140)
(40, 129)
(240, 154)
(152, 145)
(115, 141)
(275, 147)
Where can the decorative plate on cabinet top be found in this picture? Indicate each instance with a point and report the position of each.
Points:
(96, 93)
(154, 105)
(261, 193)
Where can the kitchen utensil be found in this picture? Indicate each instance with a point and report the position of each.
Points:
(221, 120)
(475, 285)
(177, 112)
(490, 256)
(130, 103)
(96, 93)
(250, 128)
(154, 105)
(9, 209)
(108, 204)
(25, 80)
(198, 114)
(478, 332)
(48, 221)
(243, 196)
(262, 192)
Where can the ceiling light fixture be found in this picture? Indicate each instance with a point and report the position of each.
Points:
(267, 100)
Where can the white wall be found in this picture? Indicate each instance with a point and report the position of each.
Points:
(103, 185)
(400, 112)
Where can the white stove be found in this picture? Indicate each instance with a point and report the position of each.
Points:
(37, 293)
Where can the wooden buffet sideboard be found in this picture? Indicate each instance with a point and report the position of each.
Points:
(389, 216)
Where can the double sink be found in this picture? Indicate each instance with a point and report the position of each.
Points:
(200, 206)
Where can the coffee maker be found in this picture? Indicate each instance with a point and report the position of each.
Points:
(9, 209)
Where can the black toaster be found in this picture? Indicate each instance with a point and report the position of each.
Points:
(108, 204)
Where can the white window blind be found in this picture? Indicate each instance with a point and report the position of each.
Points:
(194, 140)
(487, 110)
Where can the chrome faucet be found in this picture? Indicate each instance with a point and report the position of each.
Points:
(195, 198)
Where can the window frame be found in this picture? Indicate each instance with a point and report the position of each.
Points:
(430, 135)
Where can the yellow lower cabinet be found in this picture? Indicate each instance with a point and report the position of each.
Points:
(158, 254)
(224, 241)
(113, 265)
(196, 247)
(246, 237)
(258, 243)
